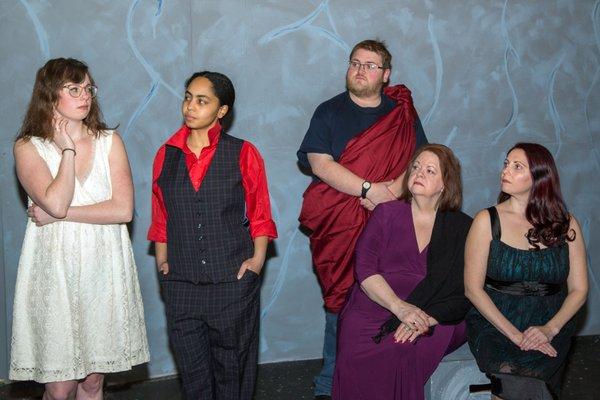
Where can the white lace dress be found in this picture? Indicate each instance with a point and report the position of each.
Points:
(78, 307)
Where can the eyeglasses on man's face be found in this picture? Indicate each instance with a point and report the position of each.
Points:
(76, 91)
(368, 66)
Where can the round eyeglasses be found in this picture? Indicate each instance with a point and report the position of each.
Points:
(369, 66)
(76, 91)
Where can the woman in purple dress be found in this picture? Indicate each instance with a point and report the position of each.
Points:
(409, 262)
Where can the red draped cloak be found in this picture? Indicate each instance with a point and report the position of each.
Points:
(378, 154)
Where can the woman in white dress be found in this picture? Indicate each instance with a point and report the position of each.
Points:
(78, 310)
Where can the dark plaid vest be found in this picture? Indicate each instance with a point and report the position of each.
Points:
(207, 233)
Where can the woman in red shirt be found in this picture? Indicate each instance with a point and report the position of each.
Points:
(211, 224)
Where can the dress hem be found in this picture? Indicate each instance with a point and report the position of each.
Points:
(40, 376)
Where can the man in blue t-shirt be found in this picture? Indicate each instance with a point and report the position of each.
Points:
(334, 123)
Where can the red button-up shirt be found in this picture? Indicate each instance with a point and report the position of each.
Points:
(254, 181)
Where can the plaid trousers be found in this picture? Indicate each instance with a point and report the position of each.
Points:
(213, 331)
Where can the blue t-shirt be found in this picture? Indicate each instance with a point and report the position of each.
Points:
(338, 120)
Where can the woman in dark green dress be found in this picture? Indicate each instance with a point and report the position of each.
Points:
(526, 275)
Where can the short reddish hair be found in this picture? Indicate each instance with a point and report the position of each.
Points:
(451, 197)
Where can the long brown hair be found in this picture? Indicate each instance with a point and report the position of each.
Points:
(49, 80)
(451, 197)
(546, 210)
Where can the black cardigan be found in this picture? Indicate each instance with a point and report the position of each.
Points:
(441, 294)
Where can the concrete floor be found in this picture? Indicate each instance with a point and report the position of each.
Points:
(293, 380)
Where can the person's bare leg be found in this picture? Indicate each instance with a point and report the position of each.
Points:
(90, 388)
(64, 390)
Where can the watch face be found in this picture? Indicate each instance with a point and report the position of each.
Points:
(366, 185)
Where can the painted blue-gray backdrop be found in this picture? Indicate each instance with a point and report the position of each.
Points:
(484, 74)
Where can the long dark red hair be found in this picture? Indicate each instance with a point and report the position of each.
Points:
(546, 210)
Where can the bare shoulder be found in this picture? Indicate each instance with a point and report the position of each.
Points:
(22, 145)
(481, 228)
(116, 142)
(574, 223)
(574, 226)
(25, 149)
(117, 155)
(482, 219)
(114, 136)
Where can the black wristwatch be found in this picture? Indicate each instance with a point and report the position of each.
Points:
(366, 185)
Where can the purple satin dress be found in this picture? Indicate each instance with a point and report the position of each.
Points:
(388, 370)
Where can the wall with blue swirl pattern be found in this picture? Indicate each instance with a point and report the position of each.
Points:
(484, 74)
